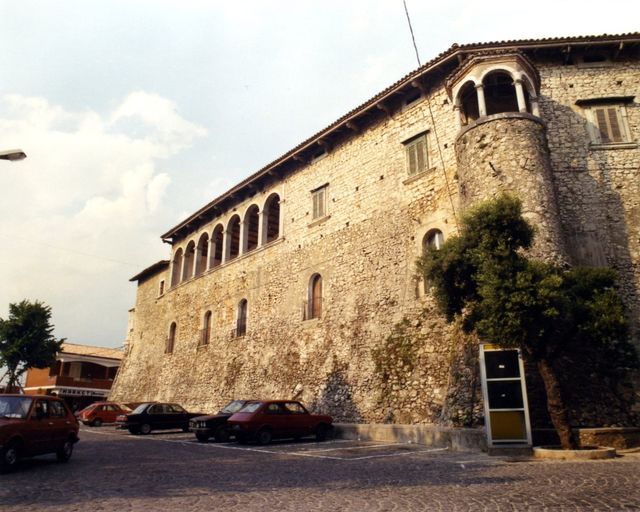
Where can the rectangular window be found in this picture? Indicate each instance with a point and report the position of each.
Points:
(161, 291)
(319, 197)
(607, 120)
(417, 156)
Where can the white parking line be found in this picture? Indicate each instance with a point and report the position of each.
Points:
(306, 453)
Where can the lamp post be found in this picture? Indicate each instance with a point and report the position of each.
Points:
(13, 155)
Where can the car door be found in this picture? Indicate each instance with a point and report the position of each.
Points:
(37, 432)
(156, 416)
(299, 419)
(59, 423)
(277, 418)
(179, 417)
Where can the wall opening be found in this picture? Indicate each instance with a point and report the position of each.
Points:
(272, 218)
(251, 220)
(202, 254)
(233, 235)
(500, 93)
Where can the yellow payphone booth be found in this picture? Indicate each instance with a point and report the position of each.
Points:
(505, 396)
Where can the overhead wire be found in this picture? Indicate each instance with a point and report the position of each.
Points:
(433, 122)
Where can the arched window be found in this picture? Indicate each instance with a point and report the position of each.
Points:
(251, 220)
(189, 255)
(241, 321)
(500, 93)
(315, 297)
(171, 340)
(176, 271)
(432, 240)
(271, 218)
(468, 102)
(233, 237)
(206, 329)
(202, 253)
(217, 247)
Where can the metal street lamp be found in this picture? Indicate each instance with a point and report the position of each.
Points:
(13, 155)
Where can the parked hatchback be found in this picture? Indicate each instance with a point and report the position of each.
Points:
(35, 425)
(101, 412)
(263, 421)
(156, 416)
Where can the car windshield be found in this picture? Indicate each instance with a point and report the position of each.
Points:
(139, 409)
(14, 407)
(232, 407)
(251, 407)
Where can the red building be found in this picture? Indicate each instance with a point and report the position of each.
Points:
(81, 375)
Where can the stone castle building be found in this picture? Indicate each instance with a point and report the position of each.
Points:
(301, 280)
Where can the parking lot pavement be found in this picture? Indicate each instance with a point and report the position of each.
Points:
(113, 470)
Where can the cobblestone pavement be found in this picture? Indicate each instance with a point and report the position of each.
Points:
(113, 470)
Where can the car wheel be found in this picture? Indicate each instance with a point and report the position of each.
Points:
(65, 451)
(322, 432)
(96, 423)
(264, 436)
(145, 429)
(222, 434)
(203, 438)
(9, 457)
(133, 430)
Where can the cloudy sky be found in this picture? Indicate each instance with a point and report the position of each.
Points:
(136, 113)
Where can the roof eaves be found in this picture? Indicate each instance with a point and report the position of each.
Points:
(454, 50)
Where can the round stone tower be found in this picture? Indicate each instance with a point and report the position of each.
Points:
(502, 144)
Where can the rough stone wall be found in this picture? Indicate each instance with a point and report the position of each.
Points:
(365, 251)
(598, 190)
(380, 352)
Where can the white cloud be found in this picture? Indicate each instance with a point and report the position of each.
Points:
(80, 214)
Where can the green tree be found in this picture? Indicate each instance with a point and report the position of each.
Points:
(484, 277)
(26, 339)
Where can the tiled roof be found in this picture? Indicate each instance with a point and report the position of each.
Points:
(454, 50)
(89, 350)
(150, 270)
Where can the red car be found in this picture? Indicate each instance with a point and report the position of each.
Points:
(101, 412)
(265, 420)
(35, 425)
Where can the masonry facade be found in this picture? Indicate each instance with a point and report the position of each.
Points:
(301, 280)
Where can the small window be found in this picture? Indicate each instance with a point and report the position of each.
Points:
(319, 197)
(314, 302)
(171, 339)
(161, 290)
(417, 157)
(607, 121)
(241, 322)
(206, 329)
(432, 240)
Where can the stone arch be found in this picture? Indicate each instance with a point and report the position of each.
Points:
(433, 239)
(233, 238)
(176, 270)
(499, 92)
(202, 254)
(271, 218)
(251, 222)
(189, 256)
(217, 246)
(467, 102)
